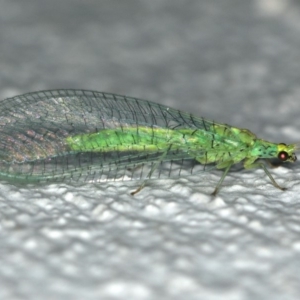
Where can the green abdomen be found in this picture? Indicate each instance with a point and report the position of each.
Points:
(128, 139)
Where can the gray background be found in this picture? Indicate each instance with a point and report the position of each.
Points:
(234, 61)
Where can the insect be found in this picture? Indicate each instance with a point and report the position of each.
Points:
(93, 136)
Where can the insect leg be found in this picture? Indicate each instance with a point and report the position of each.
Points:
(261, 165)
(214, 193)
(153, 168)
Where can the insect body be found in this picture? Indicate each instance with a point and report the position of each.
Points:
(93, 136)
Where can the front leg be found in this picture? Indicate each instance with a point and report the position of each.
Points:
(251, 164)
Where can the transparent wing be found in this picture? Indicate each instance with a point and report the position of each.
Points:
(34, 128)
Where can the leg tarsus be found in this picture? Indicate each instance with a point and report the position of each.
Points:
(262, 165)
(215, 192)
(153, 168)
(138, 189)
(271, 177)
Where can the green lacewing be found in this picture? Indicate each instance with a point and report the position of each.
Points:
(93, 136)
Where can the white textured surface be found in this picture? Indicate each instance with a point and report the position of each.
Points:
(230, 60)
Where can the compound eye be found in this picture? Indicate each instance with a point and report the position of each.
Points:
(283, 156)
